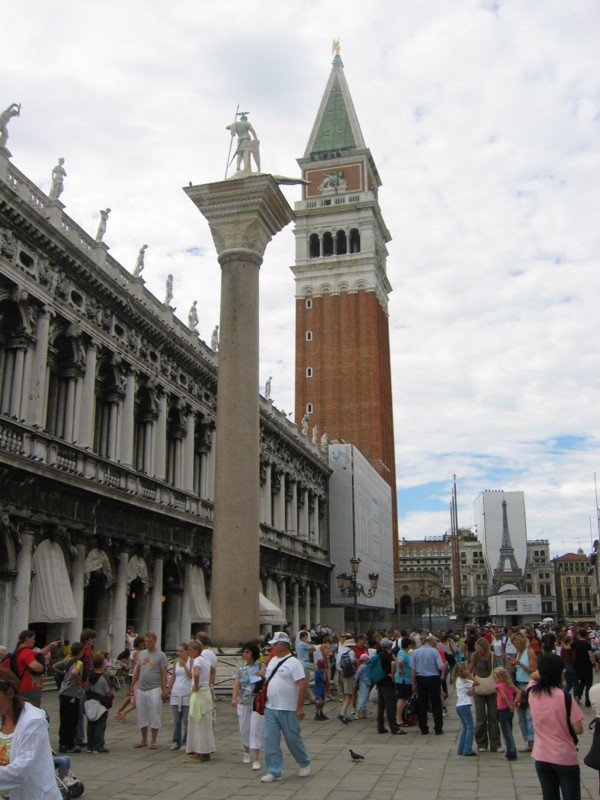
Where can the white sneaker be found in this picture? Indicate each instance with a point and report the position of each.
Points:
(256, 765)
(482, 749)
(499, 749)
(304, 772)
(174, 746)
(268, 778)
(246, 759)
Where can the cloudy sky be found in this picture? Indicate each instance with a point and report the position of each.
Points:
(483, 119)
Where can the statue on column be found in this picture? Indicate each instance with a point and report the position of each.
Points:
(247, 146)
(169, 290)
(193, 316)
(214, 339)
(314, 434)
(324, 441)
(268, 388)
(139, 262)
(102, 224)
(14, 110)
(58, 180)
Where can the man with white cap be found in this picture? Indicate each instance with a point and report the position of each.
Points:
(284, 709)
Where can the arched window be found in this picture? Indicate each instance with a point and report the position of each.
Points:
(341, 243)
(146, 414)
(354, 241)
(314, 246)
(176, 427)
(62, 385)
(327, 244)
(108, 396)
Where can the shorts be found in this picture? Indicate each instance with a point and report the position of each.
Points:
(347, 685)
(404, 691)
(149, 708)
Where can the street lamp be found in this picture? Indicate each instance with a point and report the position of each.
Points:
(350, 587)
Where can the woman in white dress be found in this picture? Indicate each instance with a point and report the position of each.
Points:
(200, 733)
(245, 679)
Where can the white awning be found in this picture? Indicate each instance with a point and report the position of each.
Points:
(271, 592)
(199, 605)
(136, 568)
(270, 614)
(51, 595)
(97, 561)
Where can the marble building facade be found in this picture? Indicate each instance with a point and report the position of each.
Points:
(107, 440)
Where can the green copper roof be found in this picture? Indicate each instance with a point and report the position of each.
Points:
(335, 131)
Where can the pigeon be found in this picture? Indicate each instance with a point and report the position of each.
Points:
(356, 756)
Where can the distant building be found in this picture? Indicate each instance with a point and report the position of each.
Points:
(574, 595)
(539, 575)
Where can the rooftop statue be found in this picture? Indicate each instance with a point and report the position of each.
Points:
(14, 110)
(246, 145)
(193, 316)
(58, 180)
(214, 339)
(139, 262)
(268, 388)
(169, 290)
(102, 224)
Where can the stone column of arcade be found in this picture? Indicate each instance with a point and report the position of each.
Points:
(243, 213)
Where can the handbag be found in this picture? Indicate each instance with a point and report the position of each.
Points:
(93, 710)
(592, 757)
(486, 685)
(260, 699)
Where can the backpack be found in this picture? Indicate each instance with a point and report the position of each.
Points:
(10, 662)
(347, 665)
(375, 669)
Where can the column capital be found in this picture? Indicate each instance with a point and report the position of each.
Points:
(243, 214)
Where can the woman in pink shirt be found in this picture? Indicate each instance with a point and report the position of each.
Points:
(554, 751)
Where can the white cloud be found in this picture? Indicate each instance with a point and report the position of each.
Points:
(483, 121)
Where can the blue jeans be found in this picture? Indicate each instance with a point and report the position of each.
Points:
(556, 778)
(505, 718)
(364, 689)
(276, 723)
(570, 678)
(180, 723)
(524, 717)
(465, 741)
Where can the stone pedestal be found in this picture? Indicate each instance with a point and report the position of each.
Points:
(243, 214)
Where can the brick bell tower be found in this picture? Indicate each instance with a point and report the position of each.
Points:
(343, 374)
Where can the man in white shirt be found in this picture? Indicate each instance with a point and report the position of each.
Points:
(284, 709)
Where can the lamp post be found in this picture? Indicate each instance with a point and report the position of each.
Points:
(350, 587)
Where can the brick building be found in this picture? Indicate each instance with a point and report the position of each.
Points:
(343, 374)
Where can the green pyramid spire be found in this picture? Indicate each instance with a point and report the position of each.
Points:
(336, 127)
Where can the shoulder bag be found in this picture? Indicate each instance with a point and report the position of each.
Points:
(260, 698)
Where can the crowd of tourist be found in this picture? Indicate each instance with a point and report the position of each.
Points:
(542, 675)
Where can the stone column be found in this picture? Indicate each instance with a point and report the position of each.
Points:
(318, 619)
(17, 384)
(185, 626)
(119, 619)
(304, 526)
(156, 599)
(283, 597)
(160, 449)
(188, 452)
(78, 588)
(37, 394)
(295, 608)
(19, 617)
(307, 599)
(128, 421)
(88, 399)
(243, 214)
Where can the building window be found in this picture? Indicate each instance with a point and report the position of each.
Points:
(354, 241)
(314, 246)
(309, 408)
(308, 303)
(327, 244)
(309, 372)
(341, 244)
(309, 336)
